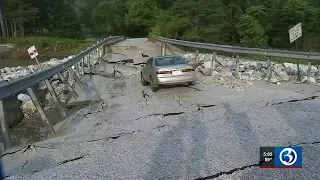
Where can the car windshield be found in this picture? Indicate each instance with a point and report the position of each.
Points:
(167, 61)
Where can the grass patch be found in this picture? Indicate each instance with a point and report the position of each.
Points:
(47, 47)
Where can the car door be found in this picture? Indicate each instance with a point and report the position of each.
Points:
(146, 70)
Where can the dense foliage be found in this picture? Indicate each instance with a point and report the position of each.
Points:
(253, 23)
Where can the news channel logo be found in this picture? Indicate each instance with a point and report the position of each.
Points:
(281, 157)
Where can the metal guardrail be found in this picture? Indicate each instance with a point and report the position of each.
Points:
(18, 85)
(10, 89)
(244, 50)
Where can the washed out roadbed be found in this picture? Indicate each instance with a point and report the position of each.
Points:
(181, 133)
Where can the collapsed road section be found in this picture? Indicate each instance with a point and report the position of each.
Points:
(212, 133)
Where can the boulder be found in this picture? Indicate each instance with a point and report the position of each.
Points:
(290, 68)
(205, 71)
(219, 68)
(278, 68)
(314, 69)
(231, 65)
(28, 105)
(24, 97)
(207, 64)
(242, 68)
(7, 70)
(244, 77)
(258, 75)
(246, 64)
(221, 61)
(284, 76)
(253, 65)
(263, 64)
(190, 56)
(225, 73)
(305, 80)
(248, 73)
(215, 73)
(264, 70)
(274, 80)
(12, 111)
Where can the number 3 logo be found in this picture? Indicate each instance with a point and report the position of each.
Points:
(288, 156)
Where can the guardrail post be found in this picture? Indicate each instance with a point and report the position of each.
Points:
(82, 67)
(76, 78)
(77, 69)
(89, 62)
(63, 79)
(163, 49)
(98, 51)
(55, 98)
(309, 71)
(40, 110)
(214, 57)
(5, 128)
(237, 66)
(269, 69)
(298, 69)
(197, 56)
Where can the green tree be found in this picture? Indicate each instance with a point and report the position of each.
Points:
(201, 20)
(19, 13)
(140, 17)
(252, 33)
(108, 17)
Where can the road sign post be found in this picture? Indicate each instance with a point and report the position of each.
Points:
(294, 34)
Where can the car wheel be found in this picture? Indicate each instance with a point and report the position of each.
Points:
(144, 82)
(153, 87)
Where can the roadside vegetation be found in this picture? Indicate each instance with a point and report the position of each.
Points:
(47, 47)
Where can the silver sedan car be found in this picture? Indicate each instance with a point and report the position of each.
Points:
(163, 70)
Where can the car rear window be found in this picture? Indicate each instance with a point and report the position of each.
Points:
(167, 61)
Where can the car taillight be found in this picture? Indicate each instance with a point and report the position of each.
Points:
(164, 72)
(187, 70)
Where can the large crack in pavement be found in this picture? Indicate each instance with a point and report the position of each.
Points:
(24, 149)
(230, 171)
(300, 144)
(145, 95)
(159, 127)
(247, 166)
(110, 137)
(22, 169)
(71, 160)
(201, 107)
(296, 100)
(195, 88)
(178, 100)
(160, 114)
(93, 112)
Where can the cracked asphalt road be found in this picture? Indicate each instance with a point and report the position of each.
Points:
(181, 133)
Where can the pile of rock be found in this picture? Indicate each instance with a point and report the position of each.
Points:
(8, 74)
(250, 70)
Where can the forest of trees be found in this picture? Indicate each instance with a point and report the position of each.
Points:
(252, 23)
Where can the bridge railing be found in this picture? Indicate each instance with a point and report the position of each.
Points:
(82, 63)
(310, 56)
